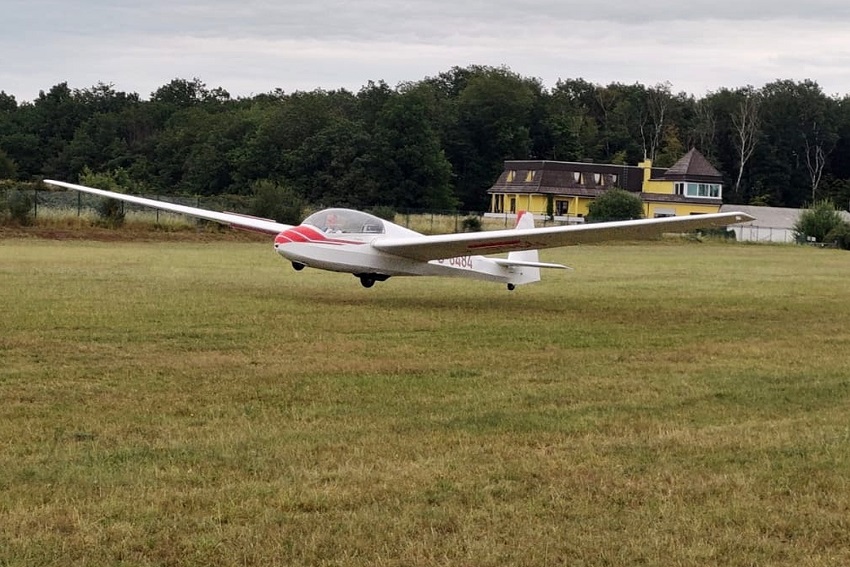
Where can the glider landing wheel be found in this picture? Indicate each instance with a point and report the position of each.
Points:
(297, 266)
(511, 287)
(366, 281)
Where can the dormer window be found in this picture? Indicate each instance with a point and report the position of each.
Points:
(511, 175)
(529, 176)
(709, 190)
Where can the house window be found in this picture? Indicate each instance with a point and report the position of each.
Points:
(511, 175)
(711, 190)
(529, 175)
(577, 177)
(513, 205)
(597, 178)
(562, 208)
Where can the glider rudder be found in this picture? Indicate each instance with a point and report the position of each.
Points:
(525, 274)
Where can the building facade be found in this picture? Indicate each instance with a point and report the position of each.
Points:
(564, 190)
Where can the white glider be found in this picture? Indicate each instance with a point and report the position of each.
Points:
(373, 249)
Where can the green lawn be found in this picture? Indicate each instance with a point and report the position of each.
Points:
(203, 404)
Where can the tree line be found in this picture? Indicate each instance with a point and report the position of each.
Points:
(436, 144)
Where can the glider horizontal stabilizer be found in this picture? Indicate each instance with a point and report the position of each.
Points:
(508, 263)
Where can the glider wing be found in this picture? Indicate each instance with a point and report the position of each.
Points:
(436, 247)
(233, 219)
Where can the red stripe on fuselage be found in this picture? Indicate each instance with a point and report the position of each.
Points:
(307, 234)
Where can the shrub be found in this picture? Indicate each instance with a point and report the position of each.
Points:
(110, 213)
(615, 204)
(471, 224)
(384, 212)
(279, 202)
(718, 233)
(20, 207)
(840, 236)
(817, 221)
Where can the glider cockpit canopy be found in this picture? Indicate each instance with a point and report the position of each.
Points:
(345, 221)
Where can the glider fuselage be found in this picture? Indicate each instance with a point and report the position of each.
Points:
(344, 244)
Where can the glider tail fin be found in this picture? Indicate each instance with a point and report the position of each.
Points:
(525, 274)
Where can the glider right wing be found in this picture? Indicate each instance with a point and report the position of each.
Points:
(436, 247)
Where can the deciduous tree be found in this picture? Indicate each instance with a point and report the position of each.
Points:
(615, 204)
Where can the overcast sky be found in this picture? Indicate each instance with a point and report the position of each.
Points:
(255, 46)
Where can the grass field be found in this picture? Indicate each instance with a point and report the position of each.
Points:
(200, 403)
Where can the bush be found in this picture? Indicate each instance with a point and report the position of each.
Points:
(279, 202)
(111, 213)
(615, 204)
(384, 212)
(719, 233)
(817, 222)
(840, 236)
(471, 224)
(20, 207)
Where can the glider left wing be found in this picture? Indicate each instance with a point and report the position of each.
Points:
(425, 248)
(233, 219)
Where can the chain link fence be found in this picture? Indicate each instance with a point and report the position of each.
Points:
(764, 234)
(47, 205)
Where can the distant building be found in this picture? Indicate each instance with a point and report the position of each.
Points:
(566, 189)
(772, 224)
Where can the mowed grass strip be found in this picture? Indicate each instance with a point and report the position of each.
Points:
(204, 404)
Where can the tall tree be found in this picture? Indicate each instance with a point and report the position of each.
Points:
(745, 120)
(414, 170)
(705, 128)
(652, 129)
(8, 169)
(797, 120)
(183, 92)
(8, 104)
(493, 113)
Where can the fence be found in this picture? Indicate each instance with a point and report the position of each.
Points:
(57, 203)
(75, 202)
(53, 204)
(764, 234)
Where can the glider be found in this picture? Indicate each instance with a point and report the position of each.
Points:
(373, 249)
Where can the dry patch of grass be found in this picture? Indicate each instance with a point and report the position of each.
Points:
(201, 403)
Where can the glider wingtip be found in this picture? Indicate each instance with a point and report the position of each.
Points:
(743, 217)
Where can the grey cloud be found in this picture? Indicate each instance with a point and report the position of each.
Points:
(381, 19)
(257, 45)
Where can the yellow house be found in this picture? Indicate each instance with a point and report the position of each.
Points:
(564, 190)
